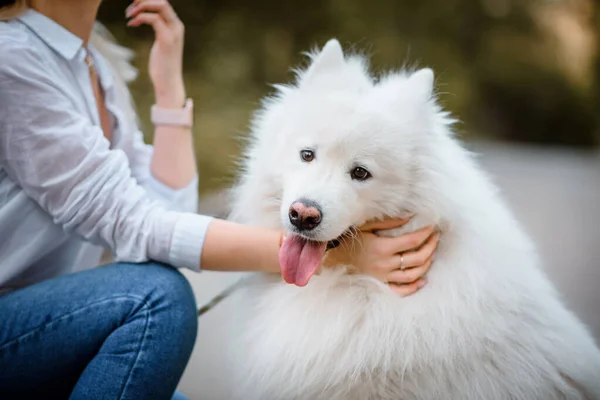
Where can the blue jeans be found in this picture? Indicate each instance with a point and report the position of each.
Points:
(122, 331)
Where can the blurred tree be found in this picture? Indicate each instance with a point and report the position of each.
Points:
(497, 67)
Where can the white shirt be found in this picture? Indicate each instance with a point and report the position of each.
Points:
(65, 191)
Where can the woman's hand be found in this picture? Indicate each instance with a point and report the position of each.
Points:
(401, 262)
(166, 56)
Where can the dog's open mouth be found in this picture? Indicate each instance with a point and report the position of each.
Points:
(300, 258)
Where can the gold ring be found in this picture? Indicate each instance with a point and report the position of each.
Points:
(402, 266)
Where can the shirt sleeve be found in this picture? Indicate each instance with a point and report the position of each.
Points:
(139, 154)
(64, 163)
(138, 151)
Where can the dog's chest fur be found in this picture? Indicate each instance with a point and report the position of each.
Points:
(347, 337)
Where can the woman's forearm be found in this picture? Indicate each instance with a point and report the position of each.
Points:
(173, 160)
(229, 246)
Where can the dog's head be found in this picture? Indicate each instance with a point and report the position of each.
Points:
(343, 149)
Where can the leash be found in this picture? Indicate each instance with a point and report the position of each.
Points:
(221, 296)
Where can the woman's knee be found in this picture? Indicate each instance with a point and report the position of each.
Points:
(166, 292)
(174, 303)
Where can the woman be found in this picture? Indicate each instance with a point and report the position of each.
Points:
(76, 177)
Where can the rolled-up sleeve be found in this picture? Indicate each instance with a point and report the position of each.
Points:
(64, 163)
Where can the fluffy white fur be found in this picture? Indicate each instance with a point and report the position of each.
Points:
(489, 324)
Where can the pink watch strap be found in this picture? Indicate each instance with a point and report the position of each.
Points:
(173, 116)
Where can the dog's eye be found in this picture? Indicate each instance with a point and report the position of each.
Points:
(307, 155)
(360, 174)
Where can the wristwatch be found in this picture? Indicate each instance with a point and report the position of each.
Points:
(182, 117)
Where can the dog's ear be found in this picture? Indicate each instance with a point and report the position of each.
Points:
(403, 89)
(329, 59)
(421, 83)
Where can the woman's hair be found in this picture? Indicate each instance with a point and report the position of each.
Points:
(11, 8)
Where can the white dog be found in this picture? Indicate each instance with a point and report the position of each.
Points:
(339, 148)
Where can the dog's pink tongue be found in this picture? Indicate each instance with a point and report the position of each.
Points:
(299, 259)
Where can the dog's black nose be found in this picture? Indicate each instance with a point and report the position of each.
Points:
(305, 215)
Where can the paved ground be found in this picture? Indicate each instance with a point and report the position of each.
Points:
(555, 193)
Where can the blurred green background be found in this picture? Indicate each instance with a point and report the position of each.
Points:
(511, 70)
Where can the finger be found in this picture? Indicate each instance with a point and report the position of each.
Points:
(411, 274)
(405, 242)
(160, 7)
(381, 225)
(419, 257)
(152, 19)
(408, 289)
